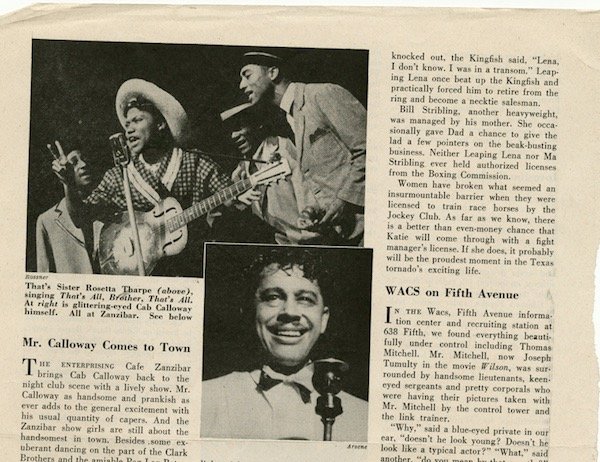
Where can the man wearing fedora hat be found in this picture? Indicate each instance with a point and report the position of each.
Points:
(157, 128)
(329, 126)
(261, 139)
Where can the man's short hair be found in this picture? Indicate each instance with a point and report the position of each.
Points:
(308, 260)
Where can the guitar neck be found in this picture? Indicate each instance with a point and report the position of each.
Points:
(203, 207)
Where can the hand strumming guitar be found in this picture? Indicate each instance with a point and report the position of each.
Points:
(249, 196)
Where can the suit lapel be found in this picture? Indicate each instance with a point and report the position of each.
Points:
(298, 117)
(65, 224)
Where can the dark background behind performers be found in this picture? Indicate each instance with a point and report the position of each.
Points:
(73, 90)
(230, 342)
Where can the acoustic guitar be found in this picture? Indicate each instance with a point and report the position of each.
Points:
(163, 230)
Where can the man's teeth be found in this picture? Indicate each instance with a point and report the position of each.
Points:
(289, 333)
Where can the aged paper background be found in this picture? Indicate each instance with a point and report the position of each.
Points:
(572, 36)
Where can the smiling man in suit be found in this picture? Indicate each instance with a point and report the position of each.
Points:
(329, 126)
(288, 291)
(62, 247)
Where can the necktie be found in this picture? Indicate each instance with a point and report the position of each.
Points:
(267, 382)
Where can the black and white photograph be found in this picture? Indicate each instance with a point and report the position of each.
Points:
(286, 342)
(140, 153)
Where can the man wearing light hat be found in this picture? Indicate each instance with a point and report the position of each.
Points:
(156, 128)
(329, 127)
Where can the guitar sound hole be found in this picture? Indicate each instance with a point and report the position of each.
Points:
(173, 240)
(160, 213)
(178, 237)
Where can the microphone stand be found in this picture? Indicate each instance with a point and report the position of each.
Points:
(327, 380)
(122, 157)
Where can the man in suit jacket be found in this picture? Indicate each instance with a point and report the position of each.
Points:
(329, 126)
(62, 247)
(291, 290)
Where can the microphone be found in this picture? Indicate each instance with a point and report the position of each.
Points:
(120, 150)
(122, 157)
(327, 380)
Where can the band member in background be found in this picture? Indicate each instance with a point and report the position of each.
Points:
(156, 127)
(329, 127)
(281, 205)
(62, 247)
(289, 309)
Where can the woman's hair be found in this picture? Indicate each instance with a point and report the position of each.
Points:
(141, 103)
